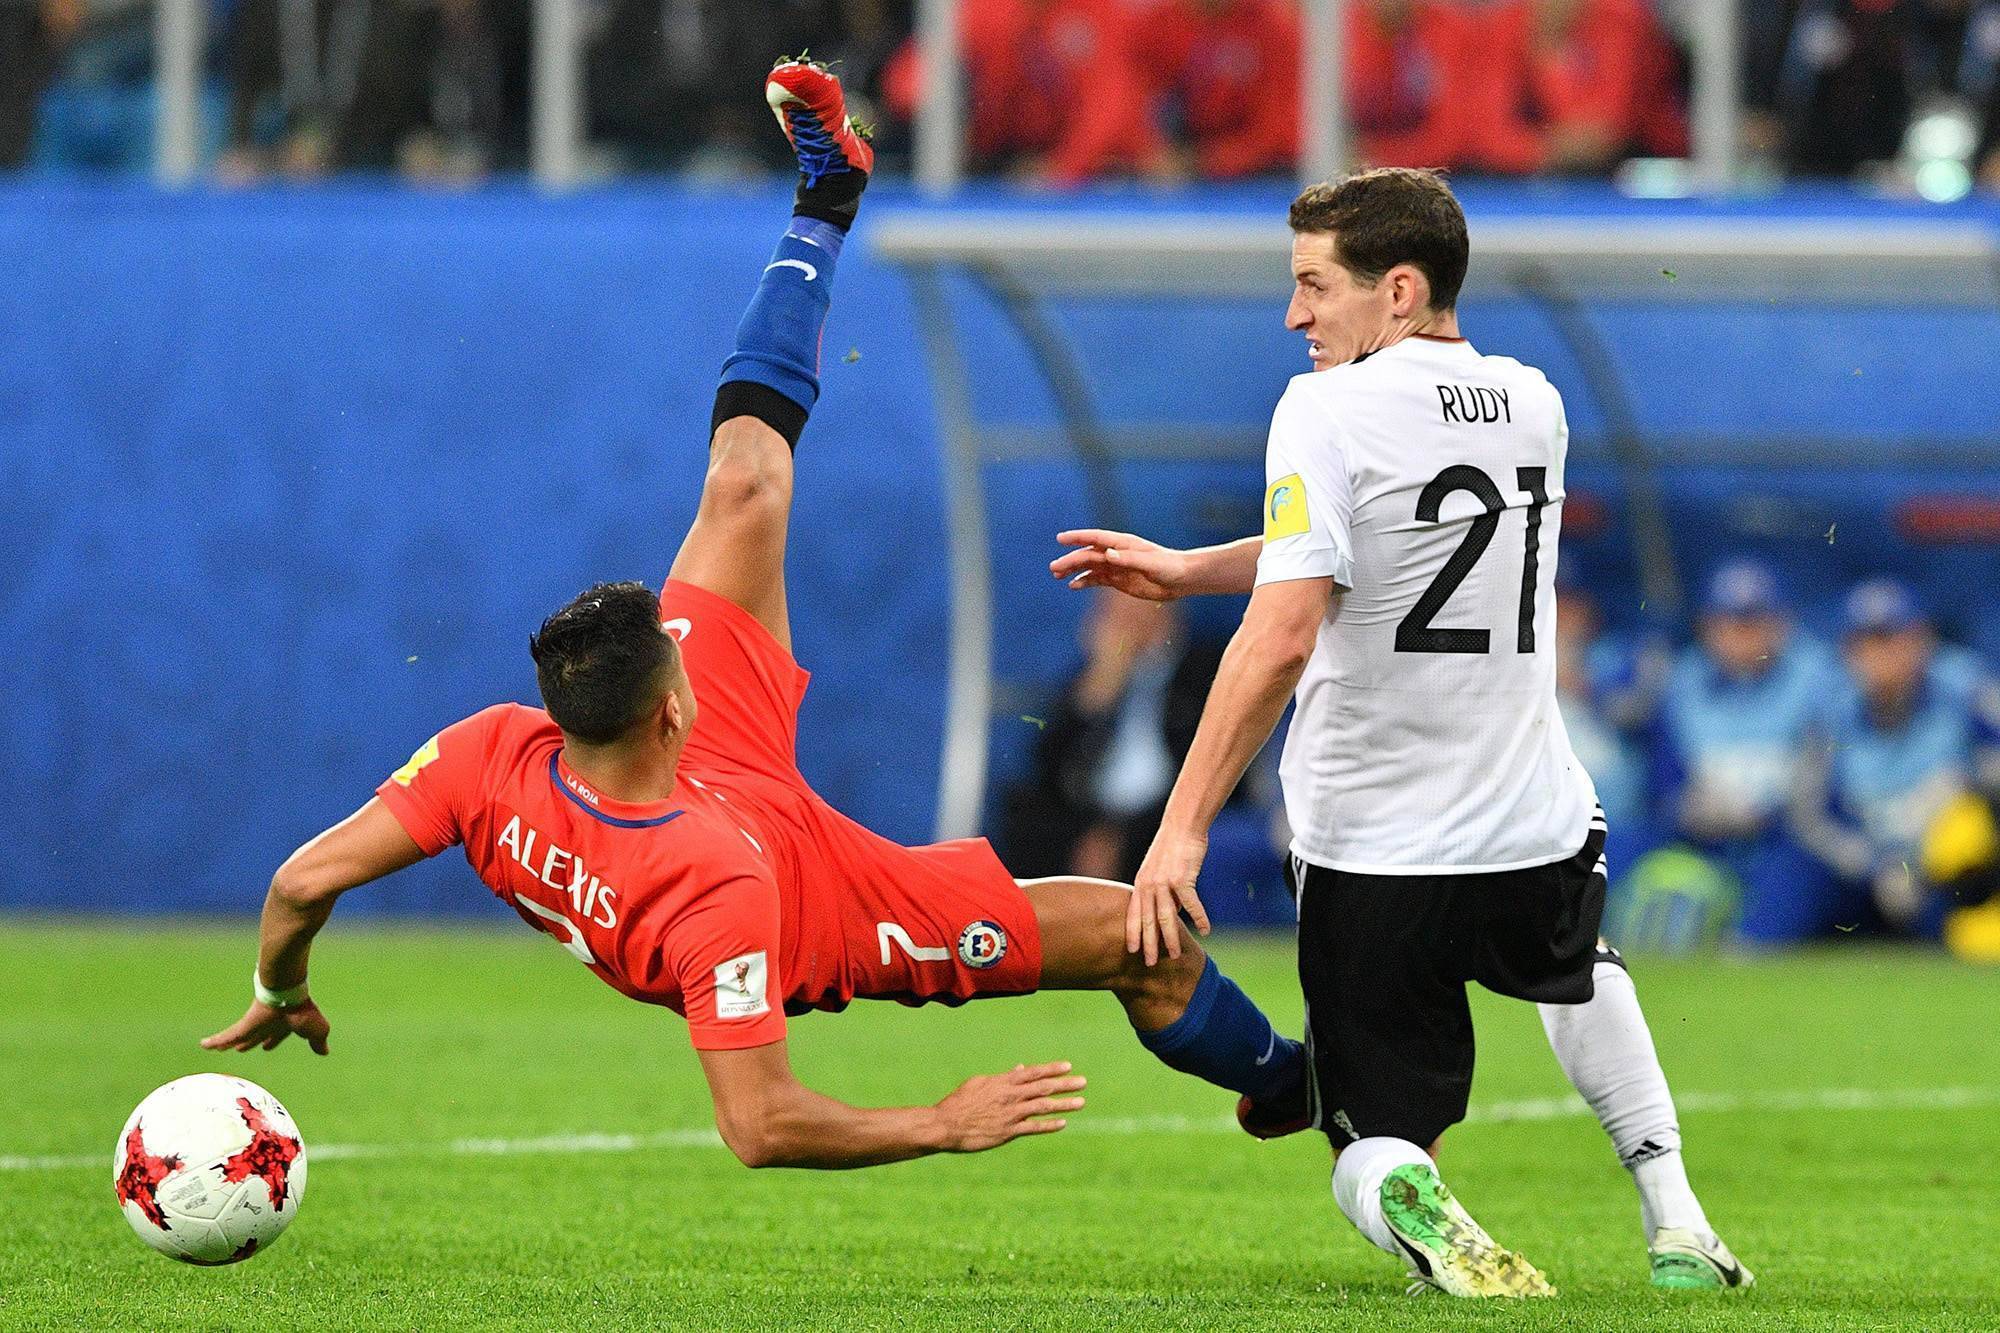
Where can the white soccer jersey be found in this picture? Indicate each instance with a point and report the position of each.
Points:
(1427, 480)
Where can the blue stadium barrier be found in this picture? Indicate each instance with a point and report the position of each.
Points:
(290, 475)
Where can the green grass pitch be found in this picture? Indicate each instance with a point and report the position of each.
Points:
(1842, 1113)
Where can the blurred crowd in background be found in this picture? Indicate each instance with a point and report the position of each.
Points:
(1061, 91)
(1763, 787)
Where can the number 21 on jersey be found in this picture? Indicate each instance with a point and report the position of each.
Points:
(1415, 633)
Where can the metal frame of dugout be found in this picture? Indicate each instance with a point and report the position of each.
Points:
(1022, 261)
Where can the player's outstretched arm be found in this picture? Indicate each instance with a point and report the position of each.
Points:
(1146, 569)
(1259, 671)
(769, 1118)
(367, 845)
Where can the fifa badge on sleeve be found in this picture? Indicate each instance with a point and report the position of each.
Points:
(427, 753)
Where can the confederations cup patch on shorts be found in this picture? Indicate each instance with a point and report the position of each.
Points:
(982, 944)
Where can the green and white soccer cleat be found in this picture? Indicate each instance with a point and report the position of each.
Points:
(1450, 1251)
(1685, 1260)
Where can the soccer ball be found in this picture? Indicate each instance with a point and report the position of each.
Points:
(209, 1169)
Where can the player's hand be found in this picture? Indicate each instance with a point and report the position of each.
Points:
(263, 1026)
(993, 1109)
(1124, 561)
(1165, 886)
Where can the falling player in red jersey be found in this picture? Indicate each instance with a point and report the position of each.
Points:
(654, 821)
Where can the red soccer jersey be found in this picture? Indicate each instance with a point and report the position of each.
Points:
(744, 895)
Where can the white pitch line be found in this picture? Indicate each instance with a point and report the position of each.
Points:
(1546, 1108)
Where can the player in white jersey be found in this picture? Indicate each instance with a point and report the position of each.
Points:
(1425, 480)
(1443, 831)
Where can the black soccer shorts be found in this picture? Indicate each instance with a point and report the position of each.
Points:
(1384, 960)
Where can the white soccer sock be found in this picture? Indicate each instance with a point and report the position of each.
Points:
(1665, 1197)
(1357, 1185)
(1607, 1051)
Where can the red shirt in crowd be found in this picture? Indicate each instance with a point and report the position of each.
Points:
(1607, 72)
(1513, 87)
(1505, 86)
(1234, 66)
(1426, 88)
(1054, 80)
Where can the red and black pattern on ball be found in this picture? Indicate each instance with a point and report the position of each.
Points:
(139, 1179)
(268, 1155)
(243, 1251)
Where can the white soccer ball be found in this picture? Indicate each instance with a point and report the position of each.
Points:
(209, 1169)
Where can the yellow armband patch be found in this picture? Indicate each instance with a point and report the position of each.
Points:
(1285, 509)
(426, 752)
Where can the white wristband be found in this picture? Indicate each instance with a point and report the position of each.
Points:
(289, 998)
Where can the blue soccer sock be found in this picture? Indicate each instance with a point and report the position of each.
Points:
(774, 371)
(1223, 1037)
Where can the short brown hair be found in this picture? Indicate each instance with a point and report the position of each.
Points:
(1391, 216)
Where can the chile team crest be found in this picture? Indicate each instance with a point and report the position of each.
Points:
(982, 944)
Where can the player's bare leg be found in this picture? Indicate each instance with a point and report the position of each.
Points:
(1183, 1009)
(736, 548)
(1082, 924)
